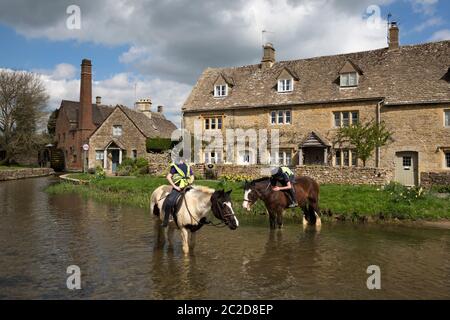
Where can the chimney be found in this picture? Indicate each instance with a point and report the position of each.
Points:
(85, 112)
(269, 56)
(393, 35)
(144, 106)
(160, 109)
(98, 100)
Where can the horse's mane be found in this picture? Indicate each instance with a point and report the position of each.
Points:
(259, 180)
(203, 189)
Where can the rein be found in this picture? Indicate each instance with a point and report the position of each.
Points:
(267, 188)
(208, 223)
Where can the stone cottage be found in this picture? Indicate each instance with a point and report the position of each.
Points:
(112, 133)
(407, 87)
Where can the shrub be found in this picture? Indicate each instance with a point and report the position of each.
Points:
(133, 167)
(100, 173)
(442, 188)
(401, 193)
(141, 162)
(159, 144)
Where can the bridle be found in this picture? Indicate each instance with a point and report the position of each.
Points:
(223, 223)
(268, 185)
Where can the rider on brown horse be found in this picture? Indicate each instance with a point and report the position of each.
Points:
(286, 177)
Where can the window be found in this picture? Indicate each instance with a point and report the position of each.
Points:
(213, 123)
(281, 158)
(273, 117)
(337, 158)
(285, 85)
(134, 154)
(99, 155)
(407, 161)
(447, 118)
(447, 159)
(221, 90)
(342, 119)
(213, 157)
(117, 130)
(280, 117)
(345, 157)
(287, 117)
(349, 79)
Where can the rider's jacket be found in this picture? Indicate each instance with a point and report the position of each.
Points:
(180, 178)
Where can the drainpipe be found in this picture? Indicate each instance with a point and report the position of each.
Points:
(378, 151)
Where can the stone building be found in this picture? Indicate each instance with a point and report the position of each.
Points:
(407, 87)
(112, 133)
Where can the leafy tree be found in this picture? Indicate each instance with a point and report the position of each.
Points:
(364, 138)
(22, 101)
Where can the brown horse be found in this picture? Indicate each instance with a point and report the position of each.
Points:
(307, 194)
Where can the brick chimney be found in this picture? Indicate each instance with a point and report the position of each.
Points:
(98, 100)
(393, 35)
(160, 109)
(268, 56)
(85, 114)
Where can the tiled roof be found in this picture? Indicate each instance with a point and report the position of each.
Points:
(156, 126)
(410, 74)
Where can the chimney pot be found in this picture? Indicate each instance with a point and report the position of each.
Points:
(268, 56)
(160, 109)
(393, 36)
(98, 100)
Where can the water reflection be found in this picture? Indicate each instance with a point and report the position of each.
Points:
(122, 253)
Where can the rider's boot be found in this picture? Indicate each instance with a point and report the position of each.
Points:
(293, 203)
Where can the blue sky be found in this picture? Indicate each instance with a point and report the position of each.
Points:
(161, 47)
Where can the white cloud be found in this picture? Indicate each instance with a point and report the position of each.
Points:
(119, 89)
(432, 22)
(427, 7)
(440, 35)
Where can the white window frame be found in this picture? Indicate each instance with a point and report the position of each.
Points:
(207, 157)
(275, 158)
(446, 164)
(285, 85)
(344, 80)
(117, 130)
(280, 114)
(351, 154)
(220, 90)
(209, 121)
(447, 118)
(99, 155)
(341, 118)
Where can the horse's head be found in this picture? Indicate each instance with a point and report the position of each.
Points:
(222, 209)
(251, 195)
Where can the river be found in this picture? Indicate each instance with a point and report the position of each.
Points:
(122, 255)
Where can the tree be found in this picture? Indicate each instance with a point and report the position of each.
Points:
(22, 101)
(364, 138)
(51, 124)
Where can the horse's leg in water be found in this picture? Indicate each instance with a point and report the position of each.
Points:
(272, 219)
(304, 213)
(192, 238)
(314, 212)
(185, 239)
(280, 219)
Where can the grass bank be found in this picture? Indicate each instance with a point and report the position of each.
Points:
(337, 202)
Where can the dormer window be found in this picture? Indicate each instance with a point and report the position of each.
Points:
(349, 79)
(285, 85)
(221, 90)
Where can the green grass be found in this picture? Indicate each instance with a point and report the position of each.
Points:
(344, 201)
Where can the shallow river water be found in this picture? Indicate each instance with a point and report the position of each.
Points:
(122, 255)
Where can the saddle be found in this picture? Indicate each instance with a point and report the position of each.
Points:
(174, 207)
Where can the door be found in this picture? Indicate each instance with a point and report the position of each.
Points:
(115, 160)
(406, 168)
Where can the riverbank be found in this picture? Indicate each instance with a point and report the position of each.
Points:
(337, 202)
(13, 173)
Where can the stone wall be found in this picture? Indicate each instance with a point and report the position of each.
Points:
(158, 163)
(14, 174)
(322, 174)
(428, 179)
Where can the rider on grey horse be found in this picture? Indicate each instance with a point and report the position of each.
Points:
(180, 176)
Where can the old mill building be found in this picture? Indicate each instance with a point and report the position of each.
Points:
(407, 87)
(112, 133)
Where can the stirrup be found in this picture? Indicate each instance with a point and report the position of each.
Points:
(293, 205)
